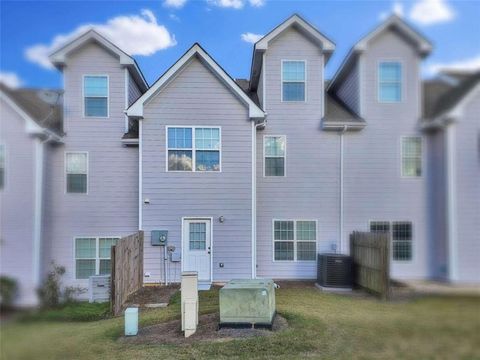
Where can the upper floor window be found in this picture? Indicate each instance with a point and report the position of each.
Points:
(295, 240)
(275, 151)
(293, 80)
(95, 92)
(76, 172)
(390, 82)
(193, 148)
(2, 166)
(412, 156)
(92, 256)
(401, 234)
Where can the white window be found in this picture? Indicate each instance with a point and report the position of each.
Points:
(2, 166)
(92, 256)
(295, 240)
(390, 81)
(293, 80)
(401, 234)
(412, 156)
(193, 148)
(95, 92)
(275, 152)
(76, 167)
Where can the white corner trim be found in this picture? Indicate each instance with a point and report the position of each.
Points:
(140, 174)
(136, 110)
(37, 232)
(127, 88)
(451, 204)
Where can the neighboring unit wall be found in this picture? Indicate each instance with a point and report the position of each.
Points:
(133, 91)
(17, 204)
(310, 188)
(349, 90)
(467, 155)
(196, 97)
(111, 206)
(374, 186)
(437, 199)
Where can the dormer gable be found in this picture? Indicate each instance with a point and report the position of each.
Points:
(60, 56)
(296, 22)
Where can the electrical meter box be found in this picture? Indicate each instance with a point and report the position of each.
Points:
(158, 237)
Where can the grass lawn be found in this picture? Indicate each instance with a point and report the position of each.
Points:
(321, 326)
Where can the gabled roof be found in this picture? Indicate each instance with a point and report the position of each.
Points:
(449, 102)
(59, 56)
(394, 22)
(41, 116)
(136, 109)
(296, 21)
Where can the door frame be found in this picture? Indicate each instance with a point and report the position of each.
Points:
(210, 218)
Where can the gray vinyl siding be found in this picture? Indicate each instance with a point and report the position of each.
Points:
(437, 209)
(373, 184)
(133, 90)
(349, 90)
(467, 155)
(310, 188)
(17, 203)
(196, 97)
(111, 206)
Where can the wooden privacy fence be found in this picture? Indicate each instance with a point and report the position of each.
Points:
(127, 270)
(371, 261)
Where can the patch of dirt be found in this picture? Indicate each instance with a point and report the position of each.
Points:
(207, 330)
(152, 295)
(294, 284)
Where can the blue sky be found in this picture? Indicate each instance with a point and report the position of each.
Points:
(158, 32)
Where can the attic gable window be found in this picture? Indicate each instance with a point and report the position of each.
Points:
(390, 82)
(293, 80)
(95, 92)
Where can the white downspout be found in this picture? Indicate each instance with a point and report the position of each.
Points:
(140, 175)
(37, 232)
(341, 220)
(451, 203)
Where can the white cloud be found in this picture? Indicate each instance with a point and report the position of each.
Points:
(429, 12)
(236, 4)
(134, 34)
(251, 37)
(467, 65)
(397, 9)
(176, 4)
(10, 79)
(257, 3)
(174, 17)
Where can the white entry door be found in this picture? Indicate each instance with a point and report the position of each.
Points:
(197, 242)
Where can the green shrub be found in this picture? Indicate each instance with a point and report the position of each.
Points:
(8, 291)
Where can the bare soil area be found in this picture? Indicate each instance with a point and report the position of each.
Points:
(152, 295)
(207, 330)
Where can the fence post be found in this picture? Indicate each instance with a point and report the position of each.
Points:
(112, 279)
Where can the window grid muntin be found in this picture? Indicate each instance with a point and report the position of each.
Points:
(95, 96)
(193, 148)
(279, 155)
(389, 84)
(300, 82)
(99, 261)
(401, 235)
(286, 231)
(197, 236)
(412, 154)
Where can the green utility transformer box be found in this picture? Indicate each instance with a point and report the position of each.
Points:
(247, 302)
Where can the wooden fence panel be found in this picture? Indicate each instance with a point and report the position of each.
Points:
(127, 270)
(371, 261)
